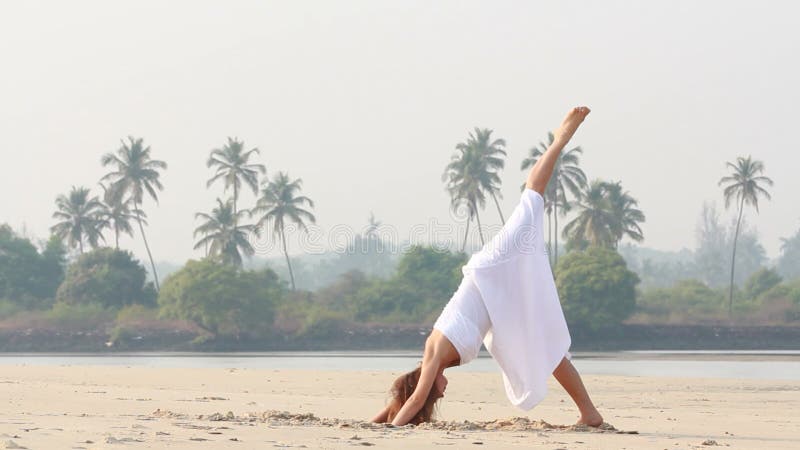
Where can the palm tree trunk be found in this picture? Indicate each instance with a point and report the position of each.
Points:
(555, 219)
(235, 198)
(80, 245)
(147, 247)
(499, 212)
(286, 253)
(550, 235)
(466, 234)
(478, 220)
(116, 238)
(733, 259)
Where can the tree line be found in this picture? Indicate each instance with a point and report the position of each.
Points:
(221, 297)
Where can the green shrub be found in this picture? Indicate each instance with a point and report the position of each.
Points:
(761, 281)
(9, 308)
(686, 299)
(596, 288)
(432, 270)
(136, 313)
(382, 299)
(220, 299)
(783, 301)
(106, 276)
(322, 323)
(78, 316)
(425, 280)
(340, 295)
(27, 276)
(121, 334)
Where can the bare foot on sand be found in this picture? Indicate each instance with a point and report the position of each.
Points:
(571, 123)
(593, 419)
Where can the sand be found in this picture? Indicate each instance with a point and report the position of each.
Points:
(93, 407)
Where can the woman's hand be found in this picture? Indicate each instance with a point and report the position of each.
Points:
(430, 370)
(382, 416)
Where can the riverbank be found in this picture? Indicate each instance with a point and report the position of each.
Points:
(623, 337)
(238, 408)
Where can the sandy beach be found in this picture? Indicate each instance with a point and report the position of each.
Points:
(92, 407)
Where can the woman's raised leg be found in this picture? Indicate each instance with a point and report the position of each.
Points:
(541, 171)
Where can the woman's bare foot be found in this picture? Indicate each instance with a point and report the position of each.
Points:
(592, 419)
(570, 124)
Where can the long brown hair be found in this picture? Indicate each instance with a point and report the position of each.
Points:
(402, 388)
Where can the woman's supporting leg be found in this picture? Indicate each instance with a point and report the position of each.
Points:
(541, 171)
(568, 376)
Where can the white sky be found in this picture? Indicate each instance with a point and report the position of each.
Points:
(365, 101)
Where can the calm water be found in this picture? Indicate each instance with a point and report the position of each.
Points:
(769, 365)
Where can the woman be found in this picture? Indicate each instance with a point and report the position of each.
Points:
(507, 300)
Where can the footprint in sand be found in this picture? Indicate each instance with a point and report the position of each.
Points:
(11, 444)
(206, 399)
(113, 440)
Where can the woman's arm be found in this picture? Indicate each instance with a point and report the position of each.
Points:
(540, 173)
(416, 401)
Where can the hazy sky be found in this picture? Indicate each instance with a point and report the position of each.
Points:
(365, 100)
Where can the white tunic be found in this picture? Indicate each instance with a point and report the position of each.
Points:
(528, 335)
(465, 320)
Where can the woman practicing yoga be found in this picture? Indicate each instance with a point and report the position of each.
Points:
(507, 300)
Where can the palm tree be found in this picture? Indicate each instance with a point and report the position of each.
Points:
(595, 222)
(488, 163)
(278, 204)
(371, 249)
(80, 218)
(743, 185)
(463, 182)
(549, 201)
(118, 214)
(232, 167)
(135, 173)
(372, 227)
(566, 176)
(221, 230)
(473, 172)
(606, 214)
(624, 209)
